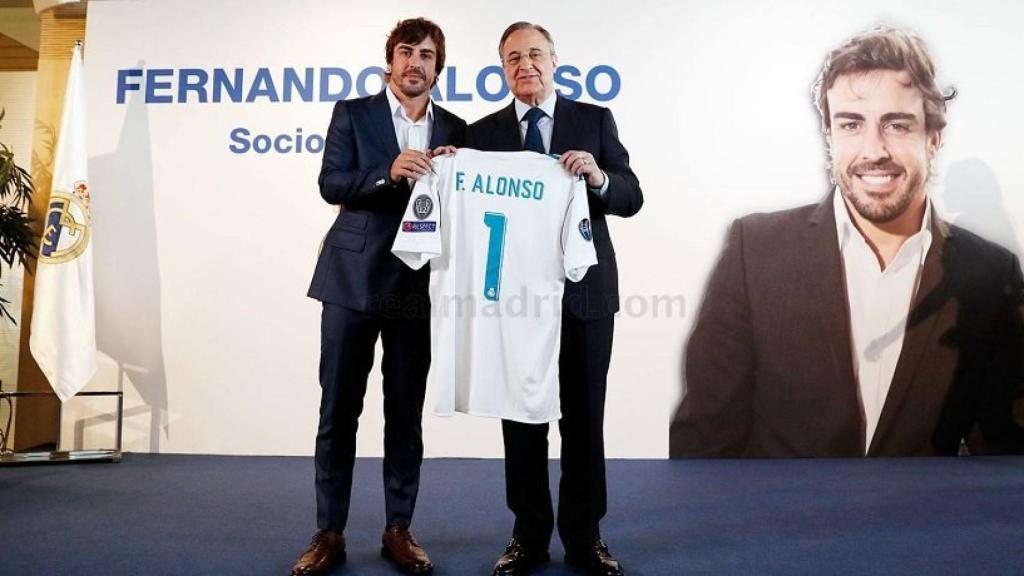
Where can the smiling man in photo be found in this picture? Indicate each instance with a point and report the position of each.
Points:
(865, 325)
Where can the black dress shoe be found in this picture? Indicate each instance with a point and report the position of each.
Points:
(326, 551)
(519, 559)
(595, 559)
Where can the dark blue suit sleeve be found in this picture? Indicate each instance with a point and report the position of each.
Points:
(342, 177)
(624, 197)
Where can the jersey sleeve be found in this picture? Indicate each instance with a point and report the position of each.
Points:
(419, 235)
(578, 252)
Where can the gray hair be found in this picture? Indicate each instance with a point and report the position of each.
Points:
(515, 27)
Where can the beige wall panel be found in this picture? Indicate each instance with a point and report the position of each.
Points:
(37, 420)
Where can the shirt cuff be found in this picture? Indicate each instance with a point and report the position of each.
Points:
(601, 192)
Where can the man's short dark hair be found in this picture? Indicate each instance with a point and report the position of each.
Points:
(885, 48)
(516, 26)
(413, 31)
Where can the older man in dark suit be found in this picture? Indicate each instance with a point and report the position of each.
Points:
(586, 138)
(375, 147)
(864, 325)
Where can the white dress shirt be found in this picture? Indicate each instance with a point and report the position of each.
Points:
(546, 125)
(410, 134)
(879, 302)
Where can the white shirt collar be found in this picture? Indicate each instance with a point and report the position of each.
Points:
(846, 230)
(398, 112)
(548, 106)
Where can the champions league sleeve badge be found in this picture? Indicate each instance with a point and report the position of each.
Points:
(585, 229)
(422, 207)
(67, 225)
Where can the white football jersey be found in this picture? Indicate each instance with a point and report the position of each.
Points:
(502, 231)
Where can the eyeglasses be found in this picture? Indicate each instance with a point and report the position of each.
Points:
(536, 56)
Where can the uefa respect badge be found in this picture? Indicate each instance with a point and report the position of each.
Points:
(67, 225)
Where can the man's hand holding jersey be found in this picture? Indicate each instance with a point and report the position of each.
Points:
(413, 163)
(582, 163)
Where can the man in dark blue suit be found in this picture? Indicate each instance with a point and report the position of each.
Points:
(586, 138)
(375, 148)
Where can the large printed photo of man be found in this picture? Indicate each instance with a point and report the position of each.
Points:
(866, 324)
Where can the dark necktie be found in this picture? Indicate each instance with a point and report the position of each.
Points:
(533, 142)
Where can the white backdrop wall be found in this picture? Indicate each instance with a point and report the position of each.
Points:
(204, 254)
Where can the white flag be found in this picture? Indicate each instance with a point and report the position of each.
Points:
(63, 339)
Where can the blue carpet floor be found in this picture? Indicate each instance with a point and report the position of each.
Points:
(168, 514)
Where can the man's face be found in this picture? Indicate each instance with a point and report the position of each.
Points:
(881, 151)
(412, 68)
(529, 65)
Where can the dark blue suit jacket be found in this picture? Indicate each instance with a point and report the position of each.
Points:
(356, 268)
(579, 126)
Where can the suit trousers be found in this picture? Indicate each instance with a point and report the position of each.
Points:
(347, 341)
(583, 362)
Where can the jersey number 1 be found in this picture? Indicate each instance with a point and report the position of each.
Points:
(495, 253)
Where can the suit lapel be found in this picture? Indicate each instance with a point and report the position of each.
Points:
(925, 312)
(829, 300)
(565, 120)
(439, 130)
(507, 137)
(383, 125)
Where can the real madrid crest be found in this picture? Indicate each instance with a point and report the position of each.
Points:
(67, 225)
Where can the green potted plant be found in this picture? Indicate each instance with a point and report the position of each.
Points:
(17, 240)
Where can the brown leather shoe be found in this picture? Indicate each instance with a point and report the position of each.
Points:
(326, 550)
(398, 546)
